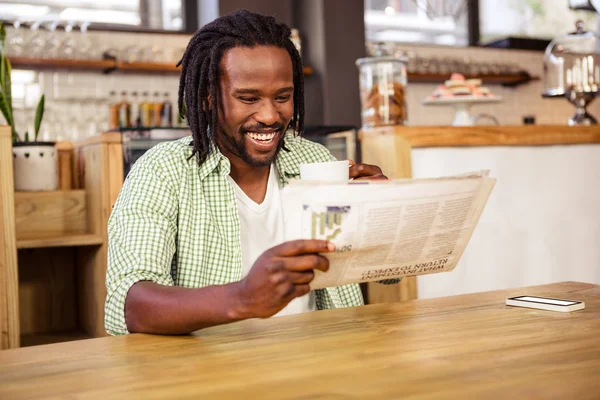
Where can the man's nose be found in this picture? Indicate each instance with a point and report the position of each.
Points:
(267, 114)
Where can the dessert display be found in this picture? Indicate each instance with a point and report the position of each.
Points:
(572, 71)
(383, 104)
(461, 94)
(458, 86)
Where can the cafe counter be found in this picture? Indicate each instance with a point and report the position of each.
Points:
(542, 221)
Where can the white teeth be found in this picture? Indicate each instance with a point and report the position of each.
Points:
(263, 137)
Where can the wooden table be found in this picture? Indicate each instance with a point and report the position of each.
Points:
(469, 346)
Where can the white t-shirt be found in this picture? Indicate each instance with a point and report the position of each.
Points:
(261, 227)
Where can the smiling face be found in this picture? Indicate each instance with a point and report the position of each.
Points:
(256, 103)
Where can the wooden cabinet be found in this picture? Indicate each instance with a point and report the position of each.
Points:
(53, 246)
(9, 297)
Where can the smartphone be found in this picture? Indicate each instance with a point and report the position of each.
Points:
(545, 303)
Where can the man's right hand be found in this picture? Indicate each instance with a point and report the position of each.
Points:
(281, 274)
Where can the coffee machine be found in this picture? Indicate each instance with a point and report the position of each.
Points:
(572, 66)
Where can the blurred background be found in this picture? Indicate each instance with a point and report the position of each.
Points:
(66, 50)
(469, 84)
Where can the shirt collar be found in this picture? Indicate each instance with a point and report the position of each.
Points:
(287, 162)
(215, 161)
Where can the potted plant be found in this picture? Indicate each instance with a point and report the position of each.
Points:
(35, 162)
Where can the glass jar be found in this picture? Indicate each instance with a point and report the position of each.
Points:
(572, 63)
(382, 82)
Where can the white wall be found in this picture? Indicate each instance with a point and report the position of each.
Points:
(517, 102)
(76, 97)
(541, 224)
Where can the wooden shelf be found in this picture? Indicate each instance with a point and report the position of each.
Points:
(41, 63)
(478, 136)
(101, 65)
(146, 67)
(86, 239)
(506, 80)
(37, 339)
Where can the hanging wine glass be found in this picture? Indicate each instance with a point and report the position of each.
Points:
(67, 47)
(87, 48)
(52, 44)
(16, 42)
(35, 46)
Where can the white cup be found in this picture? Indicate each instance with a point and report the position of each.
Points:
(333, 171)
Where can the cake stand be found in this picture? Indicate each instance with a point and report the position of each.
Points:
(462, 106)
(580, 100)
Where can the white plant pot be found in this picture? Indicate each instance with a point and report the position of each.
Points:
(35, 166)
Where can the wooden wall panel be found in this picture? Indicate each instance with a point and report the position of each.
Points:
(47, 293)
(391, 152)
(9, 281)
(116, 169)
(524, 135)
(50, 214)
(94, 169)
(65, 165)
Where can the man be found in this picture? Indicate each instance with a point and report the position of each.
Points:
(196, 235)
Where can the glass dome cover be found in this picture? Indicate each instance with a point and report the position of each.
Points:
(382, 83)
(572, 63)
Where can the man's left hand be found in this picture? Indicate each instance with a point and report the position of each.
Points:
(366, 172)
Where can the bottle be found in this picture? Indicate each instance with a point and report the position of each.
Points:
(167, 111)
(156, 110)
(113, 110)
(295, 38)
(124, 111)
(135, 117)
(145, 110)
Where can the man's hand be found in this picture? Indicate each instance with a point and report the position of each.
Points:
(281, 274)
(365, 171)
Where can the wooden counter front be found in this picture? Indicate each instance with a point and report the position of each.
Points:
(9, 281)
(460, 347)
(526, 135)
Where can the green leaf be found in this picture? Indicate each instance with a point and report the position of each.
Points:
(5, 85)
(27, 136)
(7, 79)
(39, 114)
(5, 110)
(2, 36)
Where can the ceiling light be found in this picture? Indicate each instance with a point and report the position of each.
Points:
(100, 16)
(22, 11)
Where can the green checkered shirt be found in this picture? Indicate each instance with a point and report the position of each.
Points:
(176, 223)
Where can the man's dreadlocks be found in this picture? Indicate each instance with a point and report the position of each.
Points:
(200, 70)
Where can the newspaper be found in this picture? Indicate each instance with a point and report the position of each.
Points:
(390, 229)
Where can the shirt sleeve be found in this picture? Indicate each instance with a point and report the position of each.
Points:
(142, 233)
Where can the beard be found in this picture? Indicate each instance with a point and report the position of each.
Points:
(237, 145)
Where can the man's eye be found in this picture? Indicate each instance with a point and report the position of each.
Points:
(283, 99)
(248, 99)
